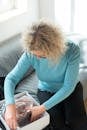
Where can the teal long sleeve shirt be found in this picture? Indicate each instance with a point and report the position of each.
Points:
(59, 79)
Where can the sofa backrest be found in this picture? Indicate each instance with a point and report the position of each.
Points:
(10, 52)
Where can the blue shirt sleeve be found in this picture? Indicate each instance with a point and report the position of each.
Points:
(70, 79)
(15, 76)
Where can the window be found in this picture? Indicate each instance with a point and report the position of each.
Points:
(9, 5)
(63, 14)
(11, 8)
(71, 15)
(80, 19)
(11, 13)
(6, 5)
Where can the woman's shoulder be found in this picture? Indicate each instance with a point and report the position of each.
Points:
(27, 57)
(73, 51)
(72, 47)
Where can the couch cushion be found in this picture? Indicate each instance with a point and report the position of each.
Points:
(9, 55)
(2, 71)
(29, 84)
(10, 52)
(83, 66)
(8, 61)
(82, 42)
(83, 50)
(83, 79)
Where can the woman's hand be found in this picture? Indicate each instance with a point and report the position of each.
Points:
(37, 111)
(10, 116)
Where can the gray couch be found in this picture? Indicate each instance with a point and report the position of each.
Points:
(10, 52)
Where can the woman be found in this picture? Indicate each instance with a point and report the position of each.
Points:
(56, 62)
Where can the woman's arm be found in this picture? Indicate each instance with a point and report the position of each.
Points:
(10, 82)
(70, 79)
(15, 76)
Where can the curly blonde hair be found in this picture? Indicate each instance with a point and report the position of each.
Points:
(46, 37)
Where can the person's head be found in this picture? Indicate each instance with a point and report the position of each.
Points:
(44, 40)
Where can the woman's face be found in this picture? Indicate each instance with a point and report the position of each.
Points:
(39, 54)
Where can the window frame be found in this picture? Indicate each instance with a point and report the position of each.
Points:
(6, 6)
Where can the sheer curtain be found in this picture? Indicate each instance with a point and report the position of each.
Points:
(63, 14)
(80, 19)
(71, 15)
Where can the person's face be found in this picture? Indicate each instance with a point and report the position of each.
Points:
(38, 54)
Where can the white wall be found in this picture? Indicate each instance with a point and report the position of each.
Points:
(16, 24)
(47, 9)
